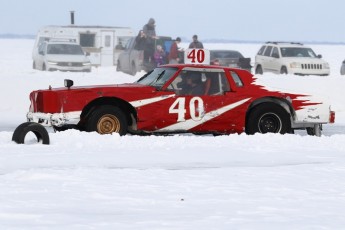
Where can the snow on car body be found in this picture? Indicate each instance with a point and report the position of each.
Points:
(162, 101)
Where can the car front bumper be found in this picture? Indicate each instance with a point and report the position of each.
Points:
(54, 119)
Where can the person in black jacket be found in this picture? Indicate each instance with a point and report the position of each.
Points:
(150, 32)
(195, 44)
(140, 41)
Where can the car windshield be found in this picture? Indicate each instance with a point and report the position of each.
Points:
(225, 54)
(68, 49)
(297, 52)
(157, 77)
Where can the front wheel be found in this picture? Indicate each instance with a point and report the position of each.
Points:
(268, 118)
(283, 70)
(133, 70)
(106, 120)
(259, 70)
(118, 66)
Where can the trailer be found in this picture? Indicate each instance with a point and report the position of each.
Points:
(102, 44)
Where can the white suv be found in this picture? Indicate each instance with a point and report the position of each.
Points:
(61, 55)
(289, 58)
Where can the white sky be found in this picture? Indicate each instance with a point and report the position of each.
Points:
(292, 20)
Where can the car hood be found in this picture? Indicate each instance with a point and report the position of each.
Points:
(103, 90)
(67, 58)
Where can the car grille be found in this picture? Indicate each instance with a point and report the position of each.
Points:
(70, 64)
(311, 66)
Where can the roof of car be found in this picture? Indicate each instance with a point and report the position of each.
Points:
(286, 44)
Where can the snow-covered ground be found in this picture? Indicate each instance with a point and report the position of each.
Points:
(87, 181)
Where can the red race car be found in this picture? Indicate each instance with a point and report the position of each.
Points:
(177, 99)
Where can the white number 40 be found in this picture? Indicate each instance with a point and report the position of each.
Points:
(196, 108)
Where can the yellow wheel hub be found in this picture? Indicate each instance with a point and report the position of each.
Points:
(108, 124)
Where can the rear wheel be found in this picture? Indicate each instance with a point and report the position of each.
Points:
(133, 69)
(44, 67)
(283, 70)
(258, 70)
(106, 120)
(268, 118)
(315, 131)
(118, 66)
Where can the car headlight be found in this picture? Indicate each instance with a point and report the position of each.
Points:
(52, 63)
(326, 65)
(295, 65)
(86, 63)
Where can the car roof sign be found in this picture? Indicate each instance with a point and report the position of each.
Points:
(197, 56)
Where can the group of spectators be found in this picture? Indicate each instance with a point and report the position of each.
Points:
(145, 41)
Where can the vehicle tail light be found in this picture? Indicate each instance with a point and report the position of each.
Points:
(331, 117)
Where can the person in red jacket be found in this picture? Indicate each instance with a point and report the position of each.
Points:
(174, 53)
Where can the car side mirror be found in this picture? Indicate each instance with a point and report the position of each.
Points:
(68, 83)
(319, 56)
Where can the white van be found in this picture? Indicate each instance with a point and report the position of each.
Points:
(63, 55)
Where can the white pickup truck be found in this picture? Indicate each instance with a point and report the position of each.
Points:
(131, 60)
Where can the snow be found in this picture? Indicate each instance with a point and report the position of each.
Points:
(88, 181)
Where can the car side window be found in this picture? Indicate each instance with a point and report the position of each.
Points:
(261, 51)
(268, 51)
(275, 53)
(194, 82)
(216, 83)
(41, 49)
(236, 79)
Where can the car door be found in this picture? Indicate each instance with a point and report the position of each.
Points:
(124, 57)
(267, 63)
(41, 56)
(191, 108)
(275, 63)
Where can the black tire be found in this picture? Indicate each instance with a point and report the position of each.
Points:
(118, 66)
(314, 131)
(259, 70)
(22, 130)
(283, 70)
(106, 120)
(133, 70)
(268, 118)
(33, 65)
(44, 67)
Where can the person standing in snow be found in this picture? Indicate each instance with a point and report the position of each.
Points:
(195, 44)
(159, 55)
(174, 52)
(149, 30)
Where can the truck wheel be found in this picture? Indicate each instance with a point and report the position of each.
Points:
(22, 130)
(34, 65)
(44, 67)
(268, 118)
(133, 69)
(118, 67)
(258, 70)
(106, 120)
(283, 70)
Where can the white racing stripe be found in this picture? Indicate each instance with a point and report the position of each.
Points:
(139, 103)
(189, 124)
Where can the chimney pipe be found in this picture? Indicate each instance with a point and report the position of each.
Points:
(72, 17)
